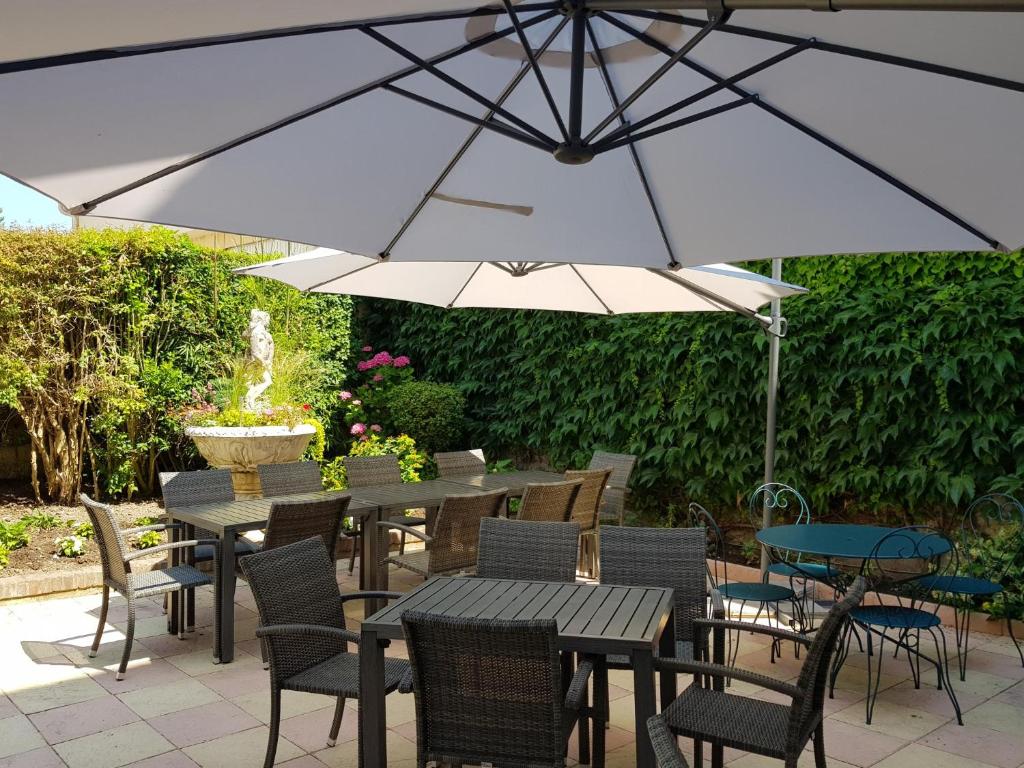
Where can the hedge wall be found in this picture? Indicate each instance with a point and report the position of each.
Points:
(902, 386)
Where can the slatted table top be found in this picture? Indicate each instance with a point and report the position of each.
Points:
(516, 482)
(249, 514)
(399, 496)
(591, 618)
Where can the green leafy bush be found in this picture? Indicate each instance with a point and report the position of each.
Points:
(70, 546)
(142, 522)
(4, 557)
(85, 530)
(410, 459)
(13, 535)
(43, 521)
(431, 413)
(1001, 556)
(148, 539)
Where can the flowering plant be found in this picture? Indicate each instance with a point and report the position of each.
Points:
(70, 546)
(376, 374)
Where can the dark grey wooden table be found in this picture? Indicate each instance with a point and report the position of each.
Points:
(594, 619)
(227, 520)
(516, 481)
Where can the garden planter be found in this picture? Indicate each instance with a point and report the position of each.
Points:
(242, 449)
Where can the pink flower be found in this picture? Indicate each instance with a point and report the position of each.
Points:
(375, 427)
(357, 402)
(358, 428)
(364, 438)
(401, 361)
(268, 412)
(363, 365)
(378, 377)
(345, 395)
(381, 358)
(367, 348)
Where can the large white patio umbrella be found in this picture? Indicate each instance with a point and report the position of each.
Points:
(599, 289)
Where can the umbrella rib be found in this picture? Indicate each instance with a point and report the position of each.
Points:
(338, 277)
(464, 286)
(284, 122)
(462, 88)
(590, 288)
(842, 50)
(631, 139)
(714, 20)
(712, 297)
(446, 171)
(598, 56)
(816, 135)
(535, 66)
(128, 51)
(481, 122)
(628, 128)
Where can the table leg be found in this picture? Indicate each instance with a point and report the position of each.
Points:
(189, 595)
(645, 705)
(718, 684)
(226, 596)
(370, 563)
(372, 710)
(667, 649)
(173, 597)
(364, 578)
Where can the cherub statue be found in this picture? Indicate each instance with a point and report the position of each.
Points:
(261, 352)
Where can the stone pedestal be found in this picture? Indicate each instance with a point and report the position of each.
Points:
(242, 449)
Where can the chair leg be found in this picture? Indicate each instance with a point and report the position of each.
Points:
(339, 712)
(129, 635)
(1009, 631)
(873, 688)
(819, 747)
(355, 545)
(962, 632)
(942, 661)
(182, 612)
(275, 726)
(698, 753)
(103, 620)
(583, 729)
(600, 712)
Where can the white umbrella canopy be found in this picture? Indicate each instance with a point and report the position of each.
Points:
(599, 289)
(421, 129)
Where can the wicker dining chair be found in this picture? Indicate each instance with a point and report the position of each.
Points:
(586, 511)
(613, 505)
(747, 723)
(453, 546)
(363, 471)
(528, 551)
(503, 702)
(302, 621)
(550, 502)
(116, 560)
(461, 463)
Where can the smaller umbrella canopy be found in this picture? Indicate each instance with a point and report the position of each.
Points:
(600, 289)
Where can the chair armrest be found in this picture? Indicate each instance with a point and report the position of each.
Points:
(749, 626)
(154, 527)
(666, 748)
(406, 529)
(576, 696)
(721, 670)
(405, 684)
(169, 546)
(370, 596)
(309, 630)
(717, 606)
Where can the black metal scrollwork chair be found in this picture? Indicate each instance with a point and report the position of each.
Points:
(994, 516)
(302, 622)
(744, 592)
(906, 572)
(117, 572)
(781, 731)
(490, 692)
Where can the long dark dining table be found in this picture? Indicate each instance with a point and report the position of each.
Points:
(592, 619)
(227, 520)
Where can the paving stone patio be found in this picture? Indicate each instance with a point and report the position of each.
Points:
(176, 709)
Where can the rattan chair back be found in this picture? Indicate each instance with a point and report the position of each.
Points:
(806, 712)
(532, 551)
(461, 463)
(296, 584)
(292, 521)
(113, 550)
(621, 465)
(487, 692)
(289, 478)
(587, 507)
(361, 471)
(456, 534)
(672, 558)
(185, 489)
(550, 502)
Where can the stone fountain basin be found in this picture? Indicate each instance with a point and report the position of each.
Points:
(242, 449)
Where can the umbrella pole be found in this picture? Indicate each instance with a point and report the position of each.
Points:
(773, 393)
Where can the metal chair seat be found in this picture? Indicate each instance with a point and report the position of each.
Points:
(755, 591)
(816, 571)
(740, 722)
(339, 676)
(961, 585)
(894, 617)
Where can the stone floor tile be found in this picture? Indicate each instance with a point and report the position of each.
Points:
(150, 626)
(306, 761)
(759, 761)
(169, 645)
(18, 734)
(7, 707)
(175, 759)
(856, 745)
(293, 703)
(984, 744)
(902, 722)
(51, 687)
(140, 674)
(82, 719)
(310, 731)
(200, 662)
(981, 684)
(928, 698)
(204, 723)
(997, 716)
(245, 748)
(230, 681)
(1014, 695)
(163, 699)
(918, 756)
(1003, 665)
(113, 748)
(44, 757)
(401, 753)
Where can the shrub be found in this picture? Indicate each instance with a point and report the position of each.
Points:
(43, 521)
(410, 459)
(148, 539)
(70, 546)
(431, 413)
(141, 522)
(994, 557)
(4, 559)
(13, 535)
(85, 530)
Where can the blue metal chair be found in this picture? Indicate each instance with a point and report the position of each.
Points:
(906, 573)
(995, 514)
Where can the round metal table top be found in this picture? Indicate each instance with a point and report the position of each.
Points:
(856, 542)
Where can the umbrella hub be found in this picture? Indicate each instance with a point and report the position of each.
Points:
(573, 152)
